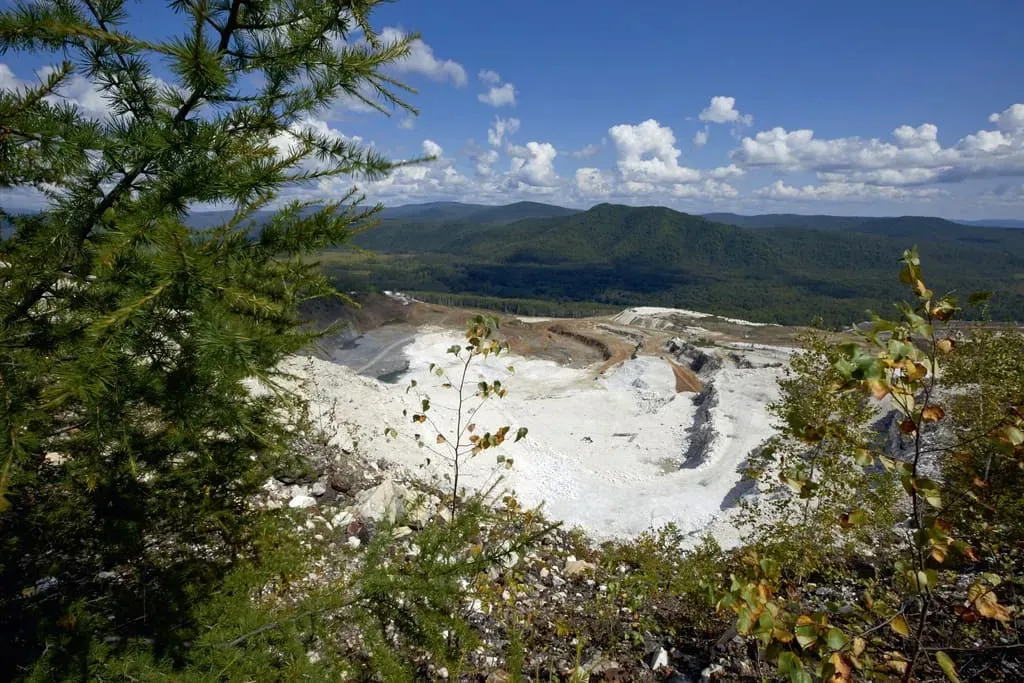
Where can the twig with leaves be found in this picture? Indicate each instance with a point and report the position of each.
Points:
(465, 439)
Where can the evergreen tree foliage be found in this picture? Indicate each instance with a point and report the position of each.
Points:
(130, 447)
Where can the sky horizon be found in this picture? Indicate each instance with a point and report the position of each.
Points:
(800, 107)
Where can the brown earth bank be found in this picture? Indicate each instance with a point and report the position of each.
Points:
(600, 342)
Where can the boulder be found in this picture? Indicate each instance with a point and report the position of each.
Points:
(342, 519)
(301, 469)
(302, 501)
(418, 510)
(712, 672)
(657, 659)
(296, 490)
(341, 481)
(277, 494)
(342, 440)
(386, 501)
(574, 567)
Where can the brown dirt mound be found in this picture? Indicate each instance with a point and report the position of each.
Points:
(686, 380)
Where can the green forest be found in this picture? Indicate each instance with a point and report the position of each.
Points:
(775, 269)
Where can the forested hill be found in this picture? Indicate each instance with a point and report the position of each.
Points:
(431, 227)
(919, 228)
(479, 213)
(624, 255)
(784, 268)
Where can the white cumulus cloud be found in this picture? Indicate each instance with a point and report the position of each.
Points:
(74, 89)
(8, 81)
(499, 95)
(585, 152)
(501, 128)
(593, 183)
(421, 59)
(1009, 120)
(484, 160)
(489, 76)
(533, 164)
(700, 138)
(288, 142)
(647, 154)
(722, 109)
(914, 156)
(432, 149)
(722, 172)
(706, 189)
(843, 192)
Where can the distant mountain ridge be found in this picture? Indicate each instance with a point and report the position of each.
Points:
(450, 226)
(777, 268)
(451, 212)
(823, 221)
(482, 213)
(785, 268)
(996, 223)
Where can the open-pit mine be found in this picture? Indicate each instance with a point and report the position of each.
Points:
(635, 420)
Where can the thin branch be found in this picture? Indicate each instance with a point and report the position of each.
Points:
(101, 22)
(980, 648)
(277, 624)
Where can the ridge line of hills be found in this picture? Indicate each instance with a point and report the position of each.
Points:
(449, 210)
(505, 213)
(780, 268)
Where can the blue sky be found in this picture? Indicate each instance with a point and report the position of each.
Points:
(809, 107)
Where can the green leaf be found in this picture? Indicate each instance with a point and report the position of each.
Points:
(929, 490)
(899, 624)
(947, 666)
(521, 434)
(806, 635)
(800, 676)
(744, 620)
(864, 458)
(836, 639)
(1013, 434)
(788, 663)
(769, 567)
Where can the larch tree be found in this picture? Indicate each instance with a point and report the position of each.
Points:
(130, 448)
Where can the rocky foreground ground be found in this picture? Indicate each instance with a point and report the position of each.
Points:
(577, 600)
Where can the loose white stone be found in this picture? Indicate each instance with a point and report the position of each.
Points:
(302, 502)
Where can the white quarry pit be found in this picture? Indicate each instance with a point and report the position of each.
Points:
(602, 453)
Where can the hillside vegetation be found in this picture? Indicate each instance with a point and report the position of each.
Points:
(802, 268)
